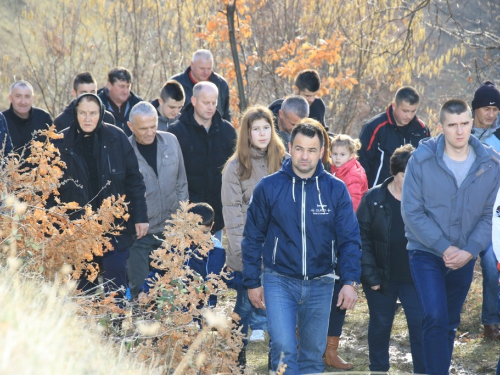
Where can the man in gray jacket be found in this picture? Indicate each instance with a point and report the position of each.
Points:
(162, 165)
(448, 194)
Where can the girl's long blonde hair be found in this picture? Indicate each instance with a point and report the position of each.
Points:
(275, 149)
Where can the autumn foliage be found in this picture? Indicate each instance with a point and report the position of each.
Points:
(45, 236)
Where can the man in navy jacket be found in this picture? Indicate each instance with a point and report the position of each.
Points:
(298, 220)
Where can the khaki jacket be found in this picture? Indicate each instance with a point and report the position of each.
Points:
(165, 191)
(236, 196)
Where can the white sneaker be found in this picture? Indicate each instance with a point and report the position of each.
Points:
(257, 335)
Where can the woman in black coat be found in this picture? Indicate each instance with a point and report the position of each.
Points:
(385, 267)
(100, 163)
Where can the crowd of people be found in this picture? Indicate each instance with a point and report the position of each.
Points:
(309, 215)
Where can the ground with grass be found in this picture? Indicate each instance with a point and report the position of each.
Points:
(473, 355)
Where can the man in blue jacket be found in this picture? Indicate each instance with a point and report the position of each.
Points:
(448, 194)
(297, 221)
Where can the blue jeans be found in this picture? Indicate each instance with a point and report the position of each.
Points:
(441, 293)
(292, 303)
(382, 310)
(490, 287)
(258, 320)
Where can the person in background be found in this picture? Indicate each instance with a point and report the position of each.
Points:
(23, 119)
(344, 165)
(385, 267)
(259, 152)
(395, 127)
(485, 109)
(290, 112)
(201, 70)
(118, 98)
(169, 104)
(83, 83)
(307, 85)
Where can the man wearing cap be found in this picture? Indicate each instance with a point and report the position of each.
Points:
(485, 106)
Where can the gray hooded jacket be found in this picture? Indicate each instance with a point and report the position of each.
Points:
(438, 214)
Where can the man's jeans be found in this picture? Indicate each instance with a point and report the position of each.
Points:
(382, 309)
(490, 313)
(305, 304)
(139, 261)
(442, 293)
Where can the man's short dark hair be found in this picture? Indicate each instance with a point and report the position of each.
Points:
(452, 107)
(172, 90)
(308, 80)
(119, 74)
(83, 78)
(306, 127)
(399, 159)
(205, 211)
(297, 105)
(407, 94)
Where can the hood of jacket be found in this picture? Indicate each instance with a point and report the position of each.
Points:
(434, 147)
(77, 101)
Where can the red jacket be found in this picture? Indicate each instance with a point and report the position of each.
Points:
(354, 176)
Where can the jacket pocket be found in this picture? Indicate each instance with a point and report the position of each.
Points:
(275, 248)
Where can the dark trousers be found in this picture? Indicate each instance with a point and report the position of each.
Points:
(114, 272)
(382, 309)
(337, 316)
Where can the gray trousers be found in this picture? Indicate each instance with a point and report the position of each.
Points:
(138, 264)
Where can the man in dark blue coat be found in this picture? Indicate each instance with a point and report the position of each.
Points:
(297, 221)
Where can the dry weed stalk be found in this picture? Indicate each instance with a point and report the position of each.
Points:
(189, 337)
(40, 230)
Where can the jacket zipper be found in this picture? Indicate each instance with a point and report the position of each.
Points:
(275, 247)
(304, 238)
(333, 252)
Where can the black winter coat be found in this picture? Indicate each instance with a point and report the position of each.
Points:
(118, 166)
(220, 82)
(374, 218)
(21, 130)
(65, 118)
(119, 122)
(204, 157)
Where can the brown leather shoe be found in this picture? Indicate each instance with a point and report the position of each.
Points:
(492, 332)
(331, 357)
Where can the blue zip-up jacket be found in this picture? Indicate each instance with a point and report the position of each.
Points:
(295, 225)
(437, 213)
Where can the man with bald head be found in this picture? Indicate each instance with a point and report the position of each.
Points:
(200, 70)
(207, 141)
(162, 166)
